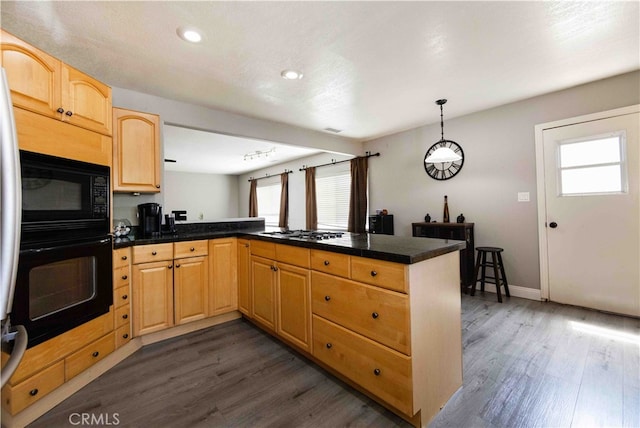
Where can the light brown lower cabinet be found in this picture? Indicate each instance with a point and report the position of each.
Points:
(122, 295)
(281, 291)
(375, 323)
(223, 276)
(263, 293)
(190, 280)
(152, 297)
(293, 302)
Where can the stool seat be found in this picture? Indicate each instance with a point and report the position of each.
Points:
(499, 276)
(490, 249)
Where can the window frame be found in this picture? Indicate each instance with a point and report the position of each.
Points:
(622, 147)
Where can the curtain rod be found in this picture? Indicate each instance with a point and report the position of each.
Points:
(333, 161)
(267, 175)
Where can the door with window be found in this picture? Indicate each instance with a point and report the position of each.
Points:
(590, 216)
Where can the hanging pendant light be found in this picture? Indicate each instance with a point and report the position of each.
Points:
(445, 158)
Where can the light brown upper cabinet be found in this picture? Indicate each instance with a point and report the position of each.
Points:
(136, 151)
(45, 85)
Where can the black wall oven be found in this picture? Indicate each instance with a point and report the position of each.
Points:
(65, 264)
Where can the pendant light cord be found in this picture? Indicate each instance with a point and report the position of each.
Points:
(441, 124)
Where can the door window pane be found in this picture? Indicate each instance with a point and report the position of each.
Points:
(592, 166)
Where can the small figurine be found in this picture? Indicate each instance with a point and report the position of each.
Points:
(460, 218)
(427, 218)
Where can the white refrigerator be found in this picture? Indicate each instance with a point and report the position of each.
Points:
(14, 338)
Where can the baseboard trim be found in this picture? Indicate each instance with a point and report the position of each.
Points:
(515, 291)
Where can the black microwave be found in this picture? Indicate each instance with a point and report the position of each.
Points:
(63, 198)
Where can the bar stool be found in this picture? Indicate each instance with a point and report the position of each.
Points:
(499, 277)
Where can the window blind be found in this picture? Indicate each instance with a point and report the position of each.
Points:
(333, 188)
(269, 200)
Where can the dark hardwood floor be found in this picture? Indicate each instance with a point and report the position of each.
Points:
(526, 364)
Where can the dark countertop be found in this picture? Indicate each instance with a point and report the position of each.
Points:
(390, 248)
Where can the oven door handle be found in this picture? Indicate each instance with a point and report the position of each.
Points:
(67, 245)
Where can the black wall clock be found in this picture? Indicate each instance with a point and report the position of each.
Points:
(444, 170)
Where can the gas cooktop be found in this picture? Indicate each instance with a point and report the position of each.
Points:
(314, 235)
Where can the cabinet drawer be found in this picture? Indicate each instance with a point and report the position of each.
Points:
(122, 335)
(263, 249)
(121, 257)
(152, 253)
(380, 370)
(88, 356)
(53, 350)
(18, 397)
(333, 263)
(121, 296)
(296, 256)
(123, 316)
(376, 313)
(121, 276)
(190, 249)
(383, 274)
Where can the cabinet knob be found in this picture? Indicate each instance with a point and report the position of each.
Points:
(124, 297)
(192, 249)
(327, 298)
(157, 186)
(124, 257)
(374, 315)
(169, 267)
(177, 266)
(246, 245)
(374, 273)
(124, 276)
(69, 113)
(33, 392)
(154, 253)
(376, 372)
(95, 354)
(329, 346)
(125, 336)
(60, 110)
(125, 316)
(326, 262)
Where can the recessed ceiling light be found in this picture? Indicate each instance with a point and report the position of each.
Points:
(189, 34)
(291, 74)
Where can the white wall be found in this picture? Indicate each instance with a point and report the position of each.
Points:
(297, 211)
(500, 160)
(215, 196)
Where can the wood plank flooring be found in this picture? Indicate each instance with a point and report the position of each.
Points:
(525, 365)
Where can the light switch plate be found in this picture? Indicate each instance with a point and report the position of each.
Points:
(523, 196)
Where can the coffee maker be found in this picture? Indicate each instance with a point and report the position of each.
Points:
(150, 219)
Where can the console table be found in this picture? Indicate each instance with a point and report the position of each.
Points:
(459, 231)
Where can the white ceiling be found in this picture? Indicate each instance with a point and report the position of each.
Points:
(207, 152)
(370, 68)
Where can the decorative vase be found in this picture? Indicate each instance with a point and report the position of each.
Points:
(445, 215)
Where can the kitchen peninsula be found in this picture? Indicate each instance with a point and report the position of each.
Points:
(370, 309)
